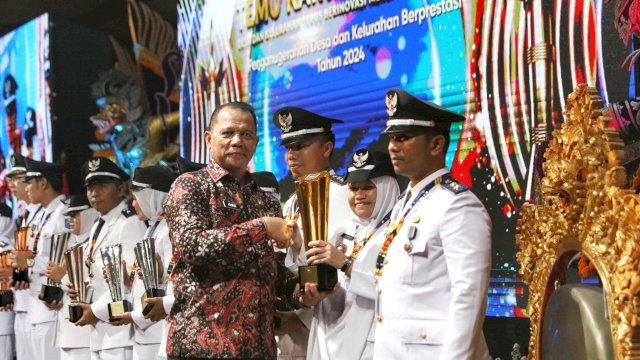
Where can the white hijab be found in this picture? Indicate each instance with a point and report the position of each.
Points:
(387, 194)
(150, 202)
(87, 218)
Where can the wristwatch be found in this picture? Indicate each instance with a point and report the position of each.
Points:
(347, 263)
(31, 262)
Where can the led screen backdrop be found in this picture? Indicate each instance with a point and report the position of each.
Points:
(506, 65)
(24, 73)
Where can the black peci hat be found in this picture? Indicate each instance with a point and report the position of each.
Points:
(76, 203)
(154, 177)
(101, 169)
(37, 169)
(366, 165)
(409, 113)
(298, 124)
(185, 166)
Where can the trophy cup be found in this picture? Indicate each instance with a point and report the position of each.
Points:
(145, 252)
(21, 237)
(6, 295)
(112, 261)
(313, 200)
(52, 291)
(74, 259)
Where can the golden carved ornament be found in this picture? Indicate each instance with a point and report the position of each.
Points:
(584, 207)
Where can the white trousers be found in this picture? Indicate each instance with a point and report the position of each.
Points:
(42, 337)
(22, 332)
(122, 353)
(6, 347)
(145, 351)
(75, 353)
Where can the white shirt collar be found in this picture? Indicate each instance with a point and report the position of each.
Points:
(54, 204)
(114, 213)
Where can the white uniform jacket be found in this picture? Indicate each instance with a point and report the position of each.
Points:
(432, 293)
(49, 223)
(117, 229)
(22, 298)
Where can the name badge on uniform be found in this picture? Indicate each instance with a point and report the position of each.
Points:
(347, 237)
(230, 205)
(412, 233)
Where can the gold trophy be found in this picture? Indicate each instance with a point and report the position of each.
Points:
(313, 200)
(6, 295)
(21, 237)
(145, 252)
(74, 260)
(51, 291)
(112, 260)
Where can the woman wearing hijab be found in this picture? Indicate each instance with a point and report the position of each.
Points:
(150, 187)
(343, 326)
(73, 340)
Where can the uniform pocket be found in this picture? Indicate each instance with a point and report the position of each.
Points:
(425, 332)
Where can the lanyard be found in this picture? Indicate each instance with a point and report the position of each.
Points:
(94, 238)
(360, 245)
(37, 239)
(25, 222)
(393, 230)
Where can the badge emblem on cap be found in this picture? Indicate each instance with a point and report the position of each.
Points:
(94, 164)
(285, 122)
(392, 103)
(359, 159)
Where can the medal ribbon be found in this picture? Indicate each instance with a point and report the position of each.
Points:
(393, 230)
(361, 244)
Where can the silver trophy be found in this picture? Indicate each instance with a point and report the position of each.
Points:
(74, 259)
(52, 291)
(112, 261)
(145, 252)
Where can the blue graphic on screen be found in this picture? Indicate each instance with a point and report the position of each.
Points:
(425, 62)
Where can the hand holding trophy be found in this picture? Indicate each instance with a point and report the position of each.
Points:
(313, 200)
(74, 261)
(6, 295)
(51, 291)
(145, 252)
(112, 260)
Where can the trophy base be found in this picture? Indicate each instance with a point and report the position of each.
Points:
(75, 313)
(150, 293)
(22, 275)
(326, 276)
(6, 298)
(50, 293)
(118, 308)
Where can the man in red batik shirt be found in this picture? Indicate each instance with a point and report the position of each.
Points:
(223, 227)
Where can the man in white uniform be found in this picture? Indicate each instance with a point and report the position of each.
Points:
(44, 186)
(434, 274)
(7, 228)
(106, 187)
(21, 295)
(309, 143)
